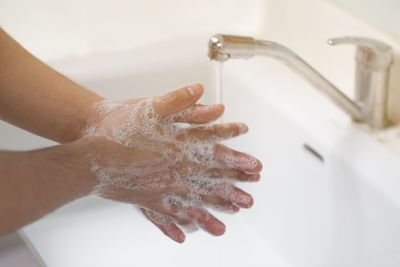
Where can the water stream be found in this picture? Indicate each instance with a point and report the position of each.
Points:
(218, 89)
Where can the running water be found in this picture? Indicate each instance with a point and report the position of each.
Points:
(219, 92)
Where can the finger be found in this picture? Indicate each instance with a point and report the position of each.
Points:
(235, 195)
(241, 198)
(177, 100)
(152, 201)
(133, 100)
(168, 228)
(173, 211)
(232, 174)
(213, 132)
(199, 114)
(235, 159)
(206, 221)
(189, 228)
(220, 204)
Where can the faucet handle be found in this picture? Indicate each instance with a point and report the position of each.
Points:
(370, 52)
(371, 82)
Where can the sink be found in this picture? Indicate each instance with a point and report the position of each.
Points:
(328, 197)
(331, 188)
(329, 194)
(16, 250)
(97, 232)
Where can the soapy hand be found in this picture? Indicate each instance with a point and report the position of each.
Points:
(172, 172)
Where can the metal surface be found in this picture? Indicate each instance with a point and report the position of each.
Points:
(373, 63)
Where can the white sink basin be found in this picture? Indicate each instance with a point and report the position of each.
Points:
(96, 232)
(16, 250)
(334, 203)
(337, 206)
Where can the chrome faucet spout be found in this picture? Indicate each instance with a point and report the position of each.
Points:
(224, 47)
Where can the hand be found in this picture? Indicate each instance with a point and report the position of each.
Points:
(171, 172)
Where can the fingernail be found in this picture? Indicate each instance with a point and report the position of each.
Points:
(243, 201)
(195, 89)
(218, 229)
(208, 107)
(233, 209)
(178, 238)
(190, 90)
(243, 128)
(252, 165)
(174, 235)
(254, 177)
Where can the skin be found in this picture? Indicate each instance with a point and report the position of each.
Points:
(35, 183)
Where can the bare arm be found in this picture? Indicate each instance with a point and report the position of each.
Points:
(37, 182)
(36, 98)
(136, 152)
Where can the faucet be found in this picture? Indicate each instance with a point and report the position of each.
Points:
(373, 58)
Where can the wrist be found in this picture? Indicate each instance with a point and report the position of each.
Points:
(89, 116)
(95, 114)
(72, 162)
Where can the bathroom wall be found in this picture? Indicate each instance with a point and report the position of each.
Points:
(383, 14)
(305, 25)
(57, 29)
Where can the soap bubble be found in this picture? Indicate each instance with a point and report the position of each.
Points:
(183, 164)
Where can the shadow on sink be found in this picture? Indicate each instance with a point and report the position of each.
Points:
(15, 250)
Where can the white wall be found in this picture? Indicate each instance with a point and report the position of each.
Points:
(305, 26)
(383, 14)
(54, 29)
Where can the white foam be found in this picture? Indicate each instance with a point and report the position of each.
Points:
(138, 127)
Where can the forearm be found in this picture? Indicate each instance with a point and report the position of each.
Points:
(33, 184)
(39, 99)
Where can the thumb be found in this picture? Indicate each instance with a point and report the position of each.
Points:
(177, 100)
